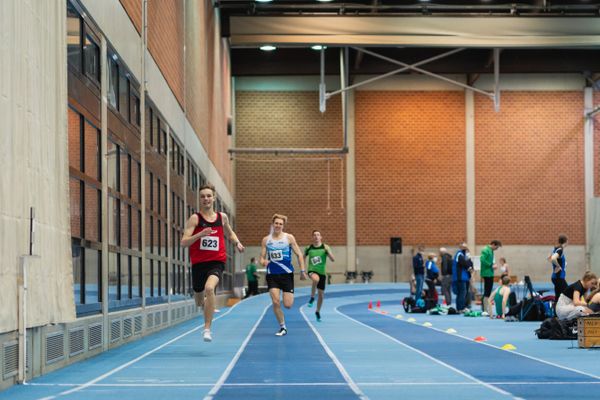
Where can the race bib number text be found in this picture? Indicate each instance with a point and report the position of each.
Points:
(276, 255)
(210, 243)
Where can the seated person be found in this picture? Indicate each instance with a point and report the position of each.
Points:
(594, 300)
(570, 303)
(499, 298)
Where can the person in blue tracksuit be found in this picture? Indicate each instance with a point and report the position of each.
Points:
(462, 267)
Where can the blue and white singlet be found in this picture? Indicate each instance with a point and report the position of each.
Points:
(279, 253)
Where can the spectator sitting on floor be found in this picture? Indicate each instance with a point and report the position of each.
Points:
(499, 298)
(570, 304)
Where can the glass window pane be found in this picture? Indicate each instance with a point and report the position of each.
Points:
(148, 273)
(91, 151)
(112, 160)
(113, 220)
(75, 200)
(73, 37)
(124, 95)
(157, 238)
(135, 110)
(149, 125)
(92, 272)
(156, 278)
(74, 122)
(77, 269)
(124, 171)
(125, 274)
(113, 81)
(124, 222)
(91, 57)
(113, 276)
(136, 187)
(135, 229)
(165, 239)
(92, 214)
(136, 277)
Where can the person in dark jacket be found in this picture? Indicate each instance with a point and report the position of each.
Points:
(462, 267)
(419, 271)
(446, 270)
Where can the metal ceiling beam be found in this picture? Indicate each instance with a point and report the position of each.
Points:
(424, 72)
(427, 31)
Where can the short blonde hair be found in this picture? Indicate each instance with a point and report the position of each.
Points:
(279, 216)
(588, 276)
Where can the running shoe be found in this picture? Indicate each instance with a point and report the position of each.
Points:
(206, 335)
(282, 332)
(311, 301)
(318, 315)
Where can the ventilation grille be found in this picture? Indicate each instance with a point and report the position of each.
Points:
(157, 318)
(11, 359)
(55, 347)
(127, 327)
(149, 321)
(75, 341)
(115, 330)
(95, 336)
(173, 314)
(165, 316)
(137, 326)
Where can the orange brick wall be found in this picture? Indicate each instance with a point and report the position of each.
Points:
(165, 41)
(303, 190)
(205, 91)
(410, 167)
(134, 10)
(529, 168)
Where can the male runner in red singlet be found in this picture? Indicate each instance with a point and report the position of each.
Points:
(204, 234)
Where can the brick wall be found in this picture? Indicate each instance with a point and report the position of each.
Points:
(410, 167)
(165, 41)
(529, 168)
(307, 191)
(134, 10)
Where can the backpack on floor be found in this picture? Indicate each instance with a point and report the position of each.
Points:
(555, 329)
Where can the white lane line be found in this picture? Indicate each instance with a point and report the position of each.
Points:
(235, 359)
(335, 360)
(261, 384)
(127, 364)
(480, 382)
(499, 348)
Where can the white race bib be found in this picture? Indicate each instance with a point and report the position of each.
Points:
(210, 243)
(315, 260)
(276, 255)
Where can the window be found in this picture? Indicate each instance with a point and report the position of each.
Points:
(135, 109)
(85, 205)
(113, 81)
(91, 55)
(73, 37)
(124, 95)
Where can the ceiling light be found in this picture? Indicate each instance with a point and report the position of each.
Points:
(318, 47)
(264, 1)
(267, 47)
(324, 1)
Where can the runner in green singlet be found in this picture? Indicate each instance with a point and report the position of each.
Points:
(316, 257)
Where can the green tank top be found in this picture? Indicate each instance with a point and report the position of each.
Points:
(498, 301)
(317, 257)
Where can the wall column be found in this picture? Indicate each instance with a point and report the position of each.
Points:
(351, 186)
(470, 167)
